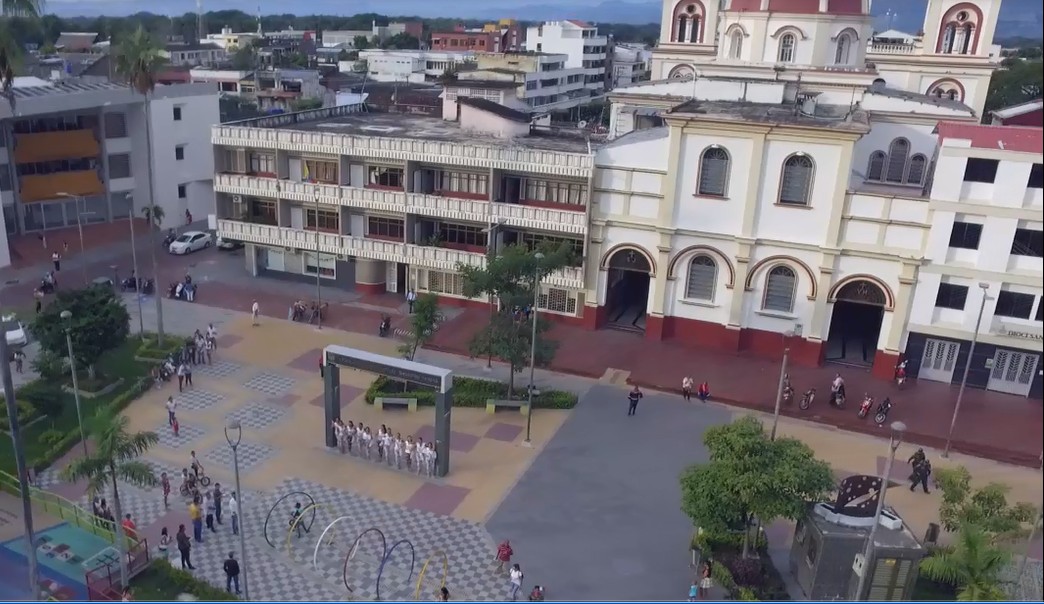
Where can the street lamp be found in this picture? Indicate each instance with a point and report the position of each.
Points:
(967, 367)
(533, 347)
(79, 226)
(234, 436)
(66, 316)
(134, 261)
(896, 438)
(782, 381)
(318, 268)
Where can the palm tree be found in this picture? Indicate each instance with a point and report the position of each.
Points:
(973, 566)
(137, 59)
(8, 51)
(115, 458)
(154, 214)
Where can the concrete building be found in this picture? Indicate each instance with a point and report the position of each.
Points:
(629, 64)
(402, 199)
(271, 89)
(1030, 113)
(504, 36)
(987, 229)
(195, 55)
(230, 40)
(78, 152)
(544, 82)
(580, 42)
(410, 66)
(375, 35)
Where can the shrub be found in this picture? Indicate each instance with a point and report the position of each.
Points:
(467, 392)
(26, 412)
(162, 581)
(51, 437)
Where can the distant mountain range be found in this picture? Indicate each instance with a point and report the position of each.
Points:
(1018, 17)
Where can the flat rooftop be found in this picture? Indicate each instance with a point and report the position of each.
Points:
(399, 125)
(835, 117)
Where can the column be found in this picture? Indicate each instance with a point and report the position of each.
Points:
(887, 356)
(655, 316)
(593, 312)
(370, 276)
(819, 312)
(250, 252)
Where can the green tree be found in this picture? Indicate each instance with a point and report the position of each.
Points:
(1021, 81)
(973, 565)
(424, 320)
(46, 394)
(137, 58)
(245, 58)
(361, 43)
(750, 476)
(99, 323)
(508, 280)
(985, 508)
(9, 51)
(305, 104)
(115, 458)
(401, 41)
(448, 75)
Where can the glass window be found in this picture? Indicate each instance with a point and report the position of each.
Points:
(263, 211)
(457, 234)
(385, 177)
(327, 265)
(179, 152)
(951, 296)
(385, 228)
(736, 47)
(796, 183)
(787, 43)
(119, 165)
(1028, 242)
(318, 170)
(702, 278)
(714, 172)
(177, 113)
(981, 170)
(555, 192)
(328, 220)
(1014, 305)
(780, 287)
(555, 299)
(182, 191)
(445, 283)
(918, 165)
(463, 182)
(875, 170)
(115, 125)
(898, 151)
(262, 163)
(965, 235)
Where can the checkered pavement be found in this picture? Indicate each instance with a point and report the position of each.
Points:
(271, 384)
(258, 415)
(218, 369)
(197, 400)
(187, 434)
(250, 455)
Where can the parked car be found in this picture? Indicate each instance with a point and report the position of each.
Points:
(228, 244)
(16, 336)
(190, 241)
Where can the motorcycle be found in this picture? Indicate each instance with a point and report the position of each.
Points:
(169, 239)
(882, 411)
(900, 374)
(788, 391)
(46, 286)
(129, 284)
(864, 408)
(806, 400)
(385, 327)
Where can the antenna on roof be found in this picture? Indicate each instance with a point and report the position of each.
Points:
(201, 33)
(259, 31)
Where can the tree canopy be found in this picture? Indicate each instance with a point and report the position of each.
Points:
(424, 320)
(1019, 81)
(99, 323)
(973, 565)
(750, 476)
(986, 508)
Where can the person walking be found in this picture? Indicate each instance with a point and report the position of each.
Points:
(19, 360)
(920, 475)
(165, 484)
(172, 406)
(516, 581)
(233, 512)
(633, 397)
(188, 375)
(182, 371)
(706, 582)
(217, 502)
(56, 260)
(503, 557)
(255, 312)
(231, 573)
(687, 388)
(411, 299)
(184, 548)
(703, 392)
(164, 544)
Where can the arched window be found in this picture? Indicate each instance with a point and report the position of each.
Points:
(787, 44)
(780, 286)
(714, 172)
(967, 38)
(703, 276)
(688, 22)
(795, 185)
(959, 30)
(898, 151)
(679, 72)
(679, 35)
(736, 45)
(949, 33)
(843, 51)
(875, 171)
(915, 175)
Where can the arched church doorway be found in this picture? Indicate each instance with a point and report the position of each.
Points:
(855, 323)
(627, 291)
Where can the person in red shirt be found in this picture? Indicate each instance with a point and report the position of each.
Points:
(703, 392)
(129, 528)
(504, 553)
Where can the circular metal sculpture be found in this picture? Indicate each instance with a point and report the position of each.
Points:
(355, 546)
(268, 518)
(424, 570)
(300, 518)
(387, 556)
(319, 543)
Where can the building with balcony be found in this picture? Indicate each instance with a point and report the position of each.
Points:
(386, 202)
(542, 81)
(77, 153)
(504, 36)
(230, 40)
(195, 55)
(987, 229)
(582, 45)
(411, 66)
(629, 64)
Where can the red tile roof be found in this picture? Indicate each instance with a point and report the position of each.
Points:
(800, 7)
(1023, 139)
(579, 23)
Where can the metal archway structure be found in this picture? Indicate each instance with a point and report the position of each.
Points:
(268, 518)
(387, 556)
(424, 570)
(297, 522)
(319, 542)
(355, 544)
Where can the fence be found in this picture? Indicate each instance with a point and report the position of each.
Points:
(61, 507)
(103, 582)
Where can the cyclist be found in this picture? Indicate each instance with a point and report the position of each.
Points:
(295, 521)
(188, 483)
(197, 468)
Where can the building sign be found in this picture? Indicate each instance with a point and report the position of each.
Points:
(396, 369)
(1023, 333)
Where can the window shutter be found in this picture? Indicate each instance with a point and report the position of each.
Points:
(702, 277)
(714, 168)
(797, 181)
(916, 173)
(897, 154)
(876, 168)
(779, 289)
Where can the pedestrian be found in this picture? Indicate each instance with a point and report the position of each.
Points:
(56, 259)
(184, 548)
(164, 544)
(129, 528)
(503, 557)
(217, 502)
(212, 333)
(172, 405)
(233, 512)
(917, 458)
(694, 591)
(175, 428)
(443, 595)
(411, 299)
(208, 508)
(231, 573)
(255, 311)
(295, 520)
(209, 346)
(196, 516)
(920, 475)
(703, 392)
(65, 246)
(165, 483)
(687, 388)
(39, 301)
(181, 376)
(188, 375)
(19, 360)
(706, 582)
(633, 397)
(338, 430)
(516, 581)
(127, 596)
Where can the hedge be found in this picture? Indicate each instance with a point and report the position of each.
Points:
(756, 577)
(161, 581)
(150, 349)
(468, 392)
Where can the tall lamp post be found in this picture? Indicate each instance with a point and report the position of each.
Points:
(134, 261)
(896, 438)
(234, 436)
(79, 226)
(66, 316)
(318, 268)
(967, 367)
(532, 348)
(782, 380)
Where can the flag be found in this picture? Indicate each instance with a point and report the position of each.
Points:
(305, 176)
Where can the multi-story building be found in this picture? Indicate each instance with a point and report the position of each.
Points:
(195, 55)
(544, 82)
(385, 202)
(77, 153)
(412, 66)
(230, 40)
(629, 64)
(271, 88)
(580, 42)
(503, 36)
(375, 35)
(983, 261)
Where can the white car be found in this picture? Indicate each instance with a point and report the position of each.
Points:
(190, 241)
(15, 331)
(228, 244)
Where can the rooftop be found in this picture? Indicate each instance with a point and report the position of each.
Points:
(34, 89)
(927, 99)
(398, 125)
(190, 46)
(494, 108)
(1017, 110)
(1021, 139)
(835, 117)
(480, 83)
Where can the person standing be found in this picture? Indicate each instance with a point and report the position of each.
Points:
(516, 581)
(217, 502)
(19, 360)
(182, 370)
(129, 528)
(208, 508)
(188, 375)
(164, 544)
(633, 397)
(706, 582)
(703, 392)
(184, 548)
(687, 388)
(255, 311)
(411, 299)
(172, 405)
(196, 516)
(233, 512)
(231, 573)
(165, 484)
(920, 475)
(56, 260)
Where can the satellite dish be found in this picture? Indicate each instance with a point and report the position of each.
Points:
(581, 124)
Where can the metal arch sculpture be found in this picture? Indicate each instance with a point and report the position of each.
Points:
(387, 556)
(297, 522)
(268, 518)
(424, 570)
(319, 542)
(355, 544)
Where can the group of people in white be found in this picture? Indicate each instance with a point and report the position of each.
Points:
(412, 455)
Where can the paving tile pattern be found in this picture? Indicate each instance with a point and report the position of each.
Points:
(187, 435)
(197, 400)
(258, 415)
(218, 369)
(271, 384)
(251, 455)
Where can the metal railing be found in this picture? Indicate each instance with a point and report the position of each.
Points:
(63, 508)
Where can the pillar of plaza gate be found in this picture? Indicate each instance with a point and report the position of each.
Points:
(336, 357)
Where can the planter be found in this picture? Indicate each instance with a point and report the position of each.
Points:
(95, 394)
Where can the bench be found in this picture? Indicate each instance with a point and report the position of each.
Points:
(492, 404)
(381, 402)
